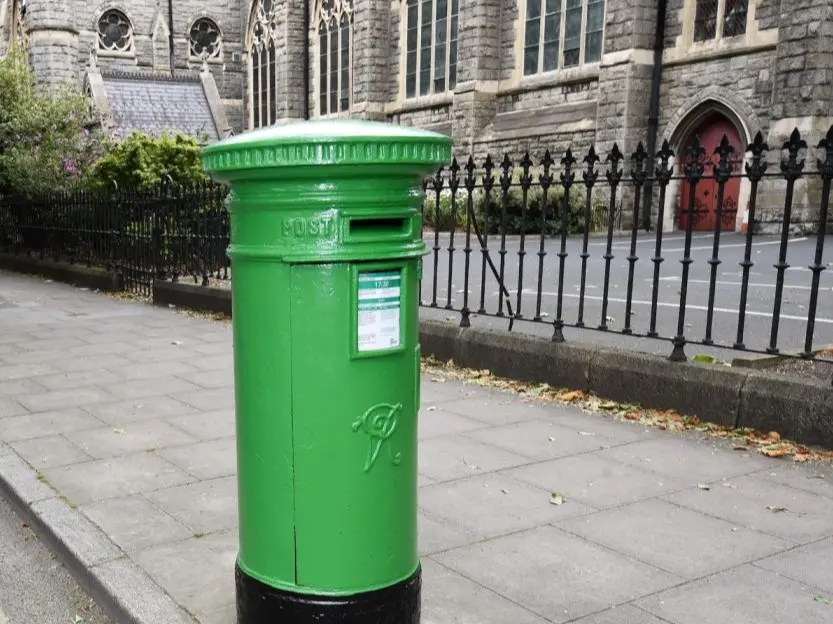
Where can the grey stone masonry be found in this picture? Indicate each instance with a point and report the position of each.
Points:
(370, 27)
(53, 38)
(478, 69)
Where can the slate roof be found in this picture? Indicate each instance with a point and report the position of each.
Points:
(154, 104)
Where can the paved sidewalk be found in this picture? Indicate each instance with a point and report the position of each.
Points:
(126, 410)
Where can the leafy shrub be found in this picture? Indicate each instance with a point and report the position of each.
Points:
(141, 161)
(45, 140)
(516, 220)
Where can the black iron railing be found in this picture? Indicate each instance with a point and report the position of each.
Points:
(554, 244)
(499, 211)
(167, 232)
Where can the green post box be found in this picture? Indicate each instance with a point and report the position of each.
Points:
(326, 251)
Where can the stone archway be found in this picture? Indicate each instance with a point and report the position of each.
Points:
(712, 106)
(710, 132)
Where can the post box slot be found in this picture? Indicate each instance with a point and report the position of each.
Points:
(379, 228)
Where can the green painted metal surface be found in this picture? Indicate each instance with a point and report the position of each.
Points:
(325, 249)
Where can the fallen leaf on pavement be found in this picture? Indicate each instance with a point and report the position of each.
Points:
(774, 435)
(557, 499)
(569, 397)
(823, 600)
(801, 457)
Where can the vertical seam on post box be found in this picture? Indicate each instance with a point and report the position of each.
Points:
(292, 429)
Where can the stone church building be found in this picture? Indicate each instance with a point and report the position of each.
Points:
(497, 75)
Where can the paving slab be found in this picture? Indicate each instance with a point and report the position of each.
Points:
(811, 564)
(817, 478)
(28, 426)
(207, 425)
(597, 481)
(774, 509)
(457, 456)
(143, 435)
(558, 576)
(205, 460)
(50, 451)
(494, 504)
(114, 478)
(123, 412)
(540, 440)
(687, 458)
(665, 536)
(450, 598)
(745, 595)
(174, 567)
(134, 523)
(203, 506)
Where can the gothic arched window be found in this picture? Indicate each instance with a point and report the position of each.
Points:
(263, 78)
(206, 40)
(431, 46)
(562, 33)
(334, 27)
(115, 32)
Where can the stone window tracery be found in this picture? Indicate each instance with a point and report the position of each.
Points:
(206, 40)
(562, 33)
(115, 32)
(334, 28)
(431, 28)
(263, 78)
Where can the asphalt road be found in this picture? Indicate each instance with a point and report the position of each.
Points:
(34, 587)
(761, 295)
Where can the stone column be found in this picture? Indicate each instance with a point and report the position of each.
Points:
(371, 59)
(478, 70)
(53, 42)
(625, 75)
(802, 98)
(625, 85)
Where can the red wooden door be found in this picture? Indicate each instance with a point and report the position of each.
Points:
(706, 191)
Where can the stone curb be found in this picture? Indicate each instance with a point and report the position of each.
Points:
(119, 586)
(76, 274)
(799, 409)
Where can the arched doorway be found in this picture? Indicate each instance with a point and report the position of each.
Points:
(710, 133)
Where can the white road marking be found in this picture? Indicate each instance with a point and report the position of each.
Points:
(722, 283)
(722, 246)
(3, 618)
(661, 304)
(645, 240)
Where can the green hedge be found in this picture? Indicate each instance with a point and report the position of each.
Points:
(514, 202)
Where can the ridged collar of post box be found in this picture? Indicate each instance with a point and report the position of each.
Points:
(325, 142)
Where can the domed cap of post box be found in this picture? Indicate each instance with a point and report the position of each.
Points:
(325, 142)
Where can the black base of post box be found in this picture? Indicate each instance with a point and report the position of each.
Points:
(258, 603)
